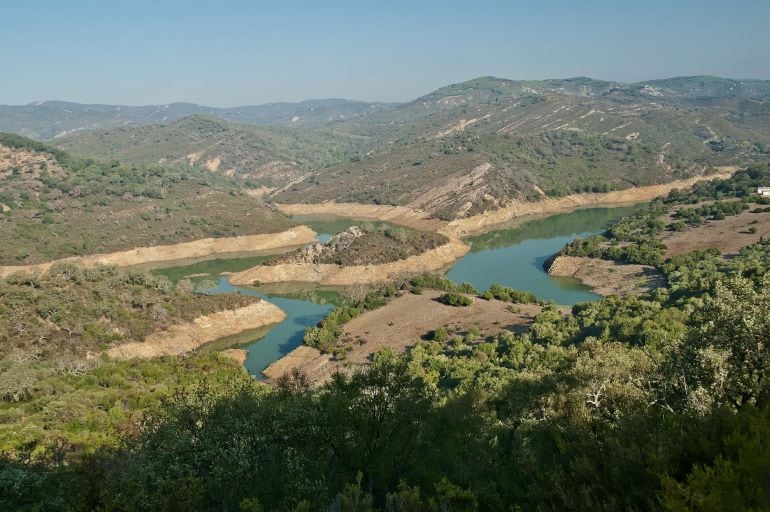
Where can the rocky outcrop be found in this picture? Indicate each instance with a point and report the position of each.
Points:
(315, 252)
(335, 275)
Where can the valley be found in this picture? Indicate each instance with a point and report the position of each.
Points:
(468, 148)
(513, 259)
(505, 262)
(501, 256)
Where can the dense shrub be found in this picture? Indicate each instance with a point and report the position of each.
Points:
(455, 299)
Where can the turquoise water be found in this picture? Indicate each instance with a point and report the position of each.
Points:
(304, 307)
(284, 337)
(515, 257)
(325, 226)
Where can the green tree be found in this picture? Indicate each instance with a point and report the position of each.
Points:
(725, 360)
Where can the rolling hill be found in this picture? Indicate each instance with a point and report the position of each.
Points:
(46, 120)
(269, 156)
(53, 205)
(477, 145)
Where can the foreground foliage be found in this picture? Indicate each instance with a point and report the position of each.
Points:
(55, 386)
(630, 403)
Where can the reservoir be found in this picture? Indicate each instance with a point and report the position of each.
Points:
(515, 256)
(512, 256)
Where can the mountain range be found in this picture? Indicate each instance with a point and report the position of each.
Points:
(457, 151)
(44, 120)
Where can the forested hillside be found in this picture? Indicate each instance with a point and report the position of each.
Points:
(57, 389)
(264, 156)
(55, 205)
(476, 145)
(656, 402)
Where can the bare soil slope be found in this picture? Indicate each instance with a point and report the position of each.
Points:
(399, 325)
(729, 235)
(186, 250)
(183, 338)
(607, 277)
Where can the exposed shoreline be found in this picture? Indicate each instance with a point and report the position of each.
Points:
(399, 326)
(182, 338)
(418, 219)
(335, 275)
(605, 277)
(185, 337)
(202, 248)
(399, 215)
(477, 223)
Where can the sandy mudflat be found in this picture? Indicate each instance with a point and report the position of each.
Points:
(607, 277)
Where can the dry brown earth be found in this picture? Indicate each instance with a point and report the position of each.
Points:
(399, 325)
(236, 354)
(206, 247)
(399, 215)
(185, 337)
(607, 277)
(729, 235)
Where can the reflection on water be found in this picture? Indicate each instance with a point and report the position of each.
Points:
(211, 267)
(325, 226)
(284, 337)
(515, 257)
(560, 225)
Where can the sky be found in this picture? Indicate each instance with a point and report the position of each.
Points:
(237, 52)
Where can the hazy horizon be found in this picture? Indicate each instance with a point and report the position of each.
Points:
(243, 53)
(372, 100)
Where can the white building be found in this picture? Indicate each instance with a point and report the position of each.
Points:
(763, 191)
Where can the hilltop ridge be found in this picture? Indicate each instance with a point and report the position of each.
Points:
(474, 146)
(45, 120)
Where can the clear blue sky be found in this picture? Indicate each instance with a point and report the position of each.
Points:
(234, 52)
